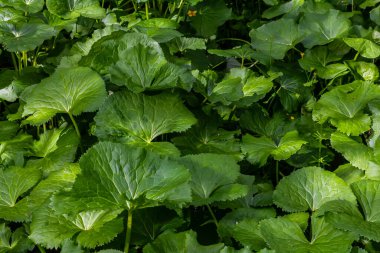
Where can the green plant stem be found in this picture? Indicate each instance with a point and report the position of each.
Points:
(277, 172)
(42, 250)
(181, 4)
(129, 232)
(25, 58)
(102, 3)
(75, 124)
(356, 56)
(147, 10)
(213, 216)
(14, 62)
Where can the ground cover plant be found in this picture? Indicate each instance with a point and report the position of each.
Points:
(189, 126)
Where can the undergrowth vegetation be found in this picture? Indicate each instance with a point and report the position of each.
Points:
(189, 126)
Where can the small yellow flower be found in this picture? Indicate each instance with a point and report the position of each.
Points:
(192, 13)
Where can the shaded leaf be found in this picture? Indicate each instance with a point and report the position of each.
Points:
(184, 242)
(214, 178)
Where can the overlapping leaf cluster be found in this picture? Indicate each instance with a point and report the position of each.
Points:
(189, 126)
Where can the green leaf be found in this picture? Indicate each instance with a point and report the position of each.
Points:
(56, 181)
(14, 182)
(12, 151)
(209, 17)
(277, 10)
(24, 36)
(141, 118)
(14, 242)
(343, 107)
(183, 44)
(365, 48)
(349, 173)
(94, 227)
(242, 224)
(275, 38)
(375, 15)
(184, 242)
(286, 236)
(322, 28)
(259, 149)
(309, 188)
(55, 147)
(69, 9)
(149, 223)
(241, 52)
(363, 70)
(206, 137)
(74, 91)
(8, 130)
(8, 14)
(367, 193)
(320, 56)
(214, 178)
(143, 67)
(68, 246)
(115, 174)
(31, 6)
(358, 154)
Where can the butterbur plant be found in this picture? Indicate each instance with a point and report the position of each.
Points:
(162, 126)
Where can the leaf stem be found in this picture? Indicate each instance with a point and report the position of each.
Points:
(14, 61)
(213, 216)
(180, 10)
(42, 250)
(25, 58)
(75, 124)
(147, 10)
(129, 232)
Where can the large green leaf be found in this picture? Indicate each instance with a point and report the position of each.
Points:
(209, 17)
(115, 174)
(31, 6)
(12, 151)
(343, 107)
(358, 154)
(139, 119)
(322, 28)
(14, 242)
(14, 182)
(365, 48)
(55, 147)
(242, 224)
(286, 236)
(214, 178)
(320, 58)
(70, 9)
(206, 137)
(71, 91)
(24, 36)
(258, 149)
(184, 242)
(275, 38)
(368, 195)
(144, 67)
(93, 227)
(309, 188)
(56, 181)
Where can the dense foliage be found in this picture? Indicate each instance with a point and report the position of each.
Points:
(189, 126)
